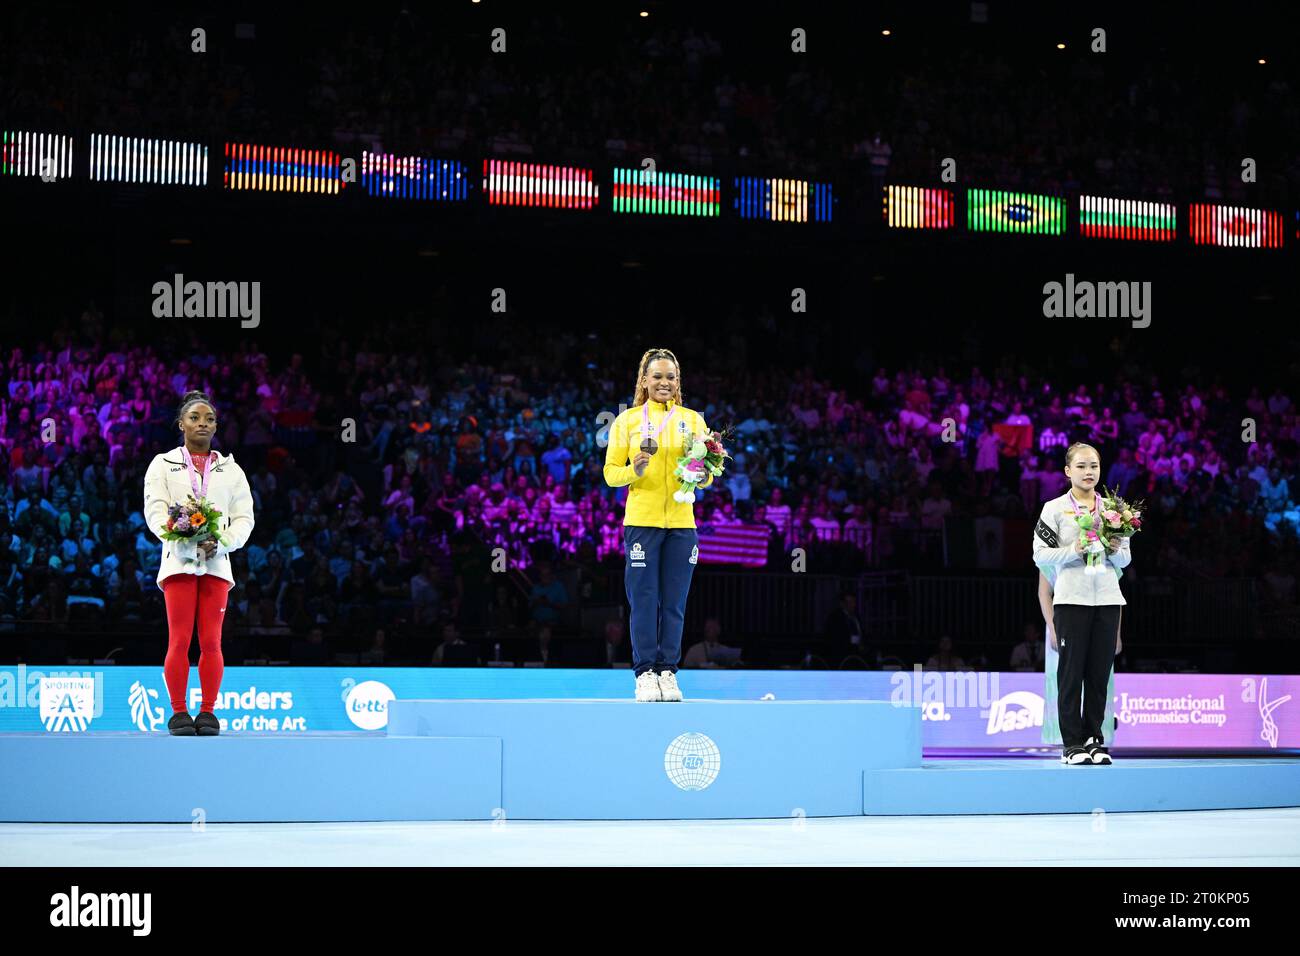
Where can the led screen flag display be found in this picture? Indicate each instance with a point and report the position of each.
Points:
(24, 153)
(281, 169)
(671, 194)
(1235, 226)
(129, 159)
(414, 177)
(996, 210)
(783, 200)
(1104, 217)
(510, 183)
(915, 207)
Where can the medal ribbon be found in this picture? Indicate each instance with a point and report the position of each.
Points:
(200, 491)
(648, 430)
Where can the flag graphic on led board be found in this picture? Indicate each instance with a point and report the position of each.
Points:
(510, 183)
(281, 169)
(744, 544)
(131, 159)
(783, 200)
(414, 177)
(671, 194)
(915, 207)
(996, 210)
(24, 153)
(1104, 217)
(1234, 227)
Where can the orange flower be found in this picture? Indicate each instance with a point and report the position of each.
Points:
(197, 519)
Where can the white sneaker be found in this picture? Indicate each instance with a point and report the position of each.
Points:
(1098, 751)
(668, 686)
(647, 687)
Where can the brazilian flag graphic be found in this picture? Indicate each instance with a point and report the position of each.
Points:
(995, 210)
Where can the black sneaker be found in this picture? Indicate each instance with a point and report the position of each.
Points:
(1097, 751)
(207, 724)
(1075, 756)
(181, 724)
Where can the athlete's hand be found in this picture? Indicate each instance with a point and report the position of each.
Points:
(208, 547)
(1051, 636)
(640, 463)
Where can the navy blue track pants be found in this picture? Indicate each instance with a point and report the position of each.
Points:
(657, 576)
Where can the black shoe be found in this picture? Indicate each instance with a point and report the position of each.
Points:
(1076, 756)
(207, 724)
(1097, 751)
(181, 724)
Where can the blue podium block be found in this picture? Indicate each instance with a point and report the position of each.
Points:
(247, 778)
(1048, 786)
(699, 759)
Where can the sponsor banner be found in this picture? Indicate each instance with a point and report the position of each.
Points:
(959, 709)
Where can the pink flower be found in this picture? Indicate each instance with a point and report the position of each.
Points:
(1137, 514)
(1114, 522)
(1137, 522)
(1110, 515)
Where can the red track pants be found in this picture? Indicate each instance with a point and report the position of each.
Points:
(191, 598)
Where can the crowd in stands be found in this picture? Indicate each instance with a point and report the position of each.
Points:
(384, 478)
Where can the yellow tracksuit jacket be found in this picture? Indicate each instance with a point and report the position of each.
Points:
(650, 501)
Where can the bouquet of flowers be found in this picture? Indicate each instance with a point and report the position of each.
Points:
(195, 520)
(1119, 519)
(706, 454)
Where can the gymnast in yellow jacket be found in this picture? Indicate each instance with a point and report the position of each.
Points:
(660, 542)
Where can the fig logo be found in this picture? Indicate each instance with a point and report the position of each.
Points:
(1018, 710)
(692, 761)
(367, 704)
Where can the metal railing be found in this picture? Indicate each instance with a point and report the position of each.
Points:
(1163, 617)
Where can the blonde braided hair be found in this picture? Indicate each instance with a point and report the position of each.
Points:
(642, 393)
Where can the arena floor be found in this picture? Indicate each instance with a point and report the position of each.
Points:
(1196, 838)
